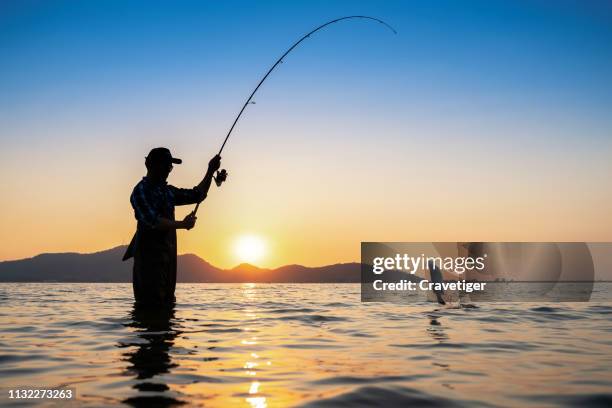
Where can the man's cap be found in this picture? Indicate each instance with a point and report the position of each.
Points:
(162, 155)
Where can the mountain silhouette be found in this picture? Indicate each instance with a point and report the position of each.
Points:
(106, 266)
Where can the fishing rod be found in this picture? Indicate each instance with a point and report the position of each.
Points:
(221, 175)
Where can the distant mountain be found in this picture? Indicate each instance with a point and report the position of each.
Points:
(106, 266)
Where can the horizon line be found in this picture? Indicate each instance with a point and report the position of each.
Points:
(178, 254)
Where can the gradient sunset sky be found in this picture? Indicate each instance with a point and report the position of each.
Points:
(479, 120)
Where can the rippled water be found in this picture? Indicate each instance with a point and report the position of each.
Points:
(285, 345)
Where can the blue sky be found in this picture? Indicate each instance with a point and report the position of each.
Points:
(518, 91)
(554, 57)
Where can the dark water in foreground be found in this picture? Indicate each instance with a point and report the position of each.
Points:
(285, 345)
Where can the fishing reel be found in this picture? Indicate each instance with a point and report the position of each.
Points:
(220, 177)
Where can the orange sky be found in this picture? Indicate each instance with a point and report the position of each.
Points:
(484, 124)
(311, 204)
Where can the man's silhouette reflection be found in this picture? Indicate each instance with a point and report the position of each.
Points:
(156, 330)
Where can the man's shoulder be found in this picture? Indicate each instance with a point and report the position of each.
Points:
(142, 185)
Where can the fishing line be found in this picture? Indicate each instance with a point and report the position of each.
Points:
(222, 174)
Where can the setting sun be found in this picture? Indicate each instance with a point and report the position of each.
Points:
(250, 248)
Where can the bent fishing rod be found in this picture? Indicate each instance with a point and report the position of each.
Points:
(222, 174)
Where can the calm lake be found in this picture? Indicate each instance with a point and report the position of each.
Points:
(277, 345)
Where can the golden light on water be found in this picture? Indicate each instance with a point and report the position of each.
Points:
(250, 248)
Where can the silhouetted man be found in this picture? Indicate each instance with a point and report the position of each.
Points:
(154, 244)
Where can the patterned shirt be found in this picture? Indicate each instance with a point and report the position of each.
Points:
(154, 200)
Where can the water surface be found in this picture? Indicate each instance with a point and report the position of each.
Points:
(271, 345)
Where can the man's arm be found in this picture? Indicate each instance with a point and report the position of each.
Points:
(186, 196)
(187, 223)
(204, 185)
(146, 213)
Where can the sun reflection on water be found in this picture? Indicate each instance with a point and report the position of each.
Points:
(250, 365)
(257, 402)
